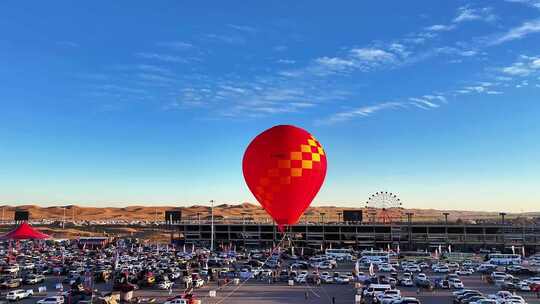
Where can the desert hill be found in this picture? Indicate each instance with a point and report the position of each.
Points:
(246, 211)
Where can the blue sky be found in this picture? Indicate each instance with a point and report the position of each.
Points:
(154, 102)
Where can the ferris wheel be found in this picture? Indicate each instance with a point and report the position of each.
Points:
(385, 207)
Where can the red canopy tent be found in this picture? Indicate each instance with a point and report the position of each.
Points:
(24, 232)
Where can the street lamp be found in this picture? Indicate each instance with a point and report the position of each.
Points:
(502, 214)
(212, 225)
(446, 214)
(199, 217)
(339, 217)
(409, 222)
(322, 217)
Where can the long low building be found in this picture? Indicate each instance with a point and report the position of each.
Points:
(412, 236)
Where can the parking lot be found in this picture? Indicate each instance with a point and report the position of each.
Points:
(71, 270)
(264, 293)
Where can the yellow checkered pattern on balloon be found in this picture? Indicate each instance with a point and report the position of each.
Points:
(287, 169)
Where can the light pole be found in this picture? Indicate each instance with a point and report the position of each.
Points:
(446, 214)
(339, 217)
(409, 221)
(64, 219)
(212, 225)
(199, 218)
(324, 235)
(502, 214)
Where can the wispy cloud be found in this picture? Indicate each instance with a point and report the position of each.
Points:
(373, 55)
(354, 60)
(440, 28)
(533, 3)
(155, 78)
(160, 57)
(519, 32)
(464, 52)
(70, 44)
(425, 102)
(286, 61)
(525, 66)
(467, 13)
(243, 28)
(226, 38)
(363, 111)
(176, 45)
(153, 69)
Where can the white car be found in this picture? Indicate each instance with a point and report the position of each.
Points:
(52, 300)
(393, 292)
(386, 268)
(11, 268)
(515, 299)
(455, 283)
(406, 282)
(453, 266)
(19, 294)
(301, 278)
(500, 296)
(465, 272)
(533, 280)
(385, 299)
(28, 266)
(374, 289)
(326, 278)
(324, 265)
(407, 300)
(441, 269)
(342, 279)
(523, 286)
(423, 265)
(177, 301)
(485, 301)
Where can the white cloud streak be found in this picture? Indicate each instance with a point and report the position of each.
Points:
(519, 32)
(160, 57)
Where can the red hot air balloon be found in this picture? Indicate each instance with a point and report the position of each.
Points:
(284, 167)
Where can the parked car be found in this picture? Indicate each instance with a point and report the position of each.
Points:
(407, 300)
(455, 283)
(19, 294)
(11, 283)
(34, 279)
(52, 300)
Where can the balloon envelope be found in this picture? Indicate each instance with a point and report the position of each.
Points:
(284, 167)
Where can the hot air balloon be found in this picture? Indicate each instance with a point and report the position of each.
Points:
(284, 167)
